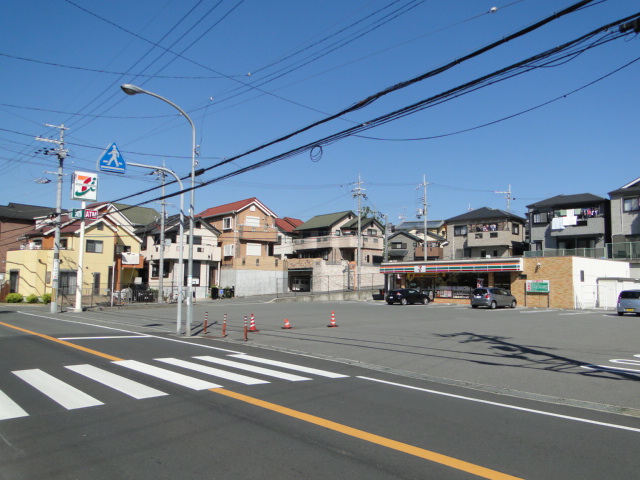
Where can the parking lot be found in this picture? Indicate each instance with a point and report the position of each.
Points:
(563, 356)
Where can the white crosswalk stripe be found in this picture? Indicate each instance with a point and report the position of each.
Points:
(57, 390)
(216, 372)
(168, 375)
(9, 409)
(290, 366)
(72, 398)
(254, 369)
(124, 385)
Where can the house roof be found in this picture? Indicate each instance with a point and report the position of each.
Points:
(419, 225)
(324, 221)
(288, 224)
(235, 207)
(485, 213)
(18, 211)
(566, 200)
(173, 223)
(365, 221)
(631, 187)
(406, 234)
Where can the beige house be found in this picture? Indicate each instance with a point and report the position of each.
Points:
(112, 257)
(248, 236)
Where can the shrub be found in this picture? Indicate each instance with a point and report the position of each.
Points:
(46, 298)
(14, 298)
(32, 298)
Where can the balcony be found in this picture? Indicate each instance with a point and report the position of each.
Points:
(432, 252)
(583, 226)
(338, 242)
(261, 234)
(172, 252)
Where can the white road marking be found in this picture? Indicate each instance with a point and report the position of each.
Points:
(216, 372)
(254, 369)
(10, 409)
(290, 366)
(105, 338)
(504, 405)
(610, 369)
(122, 384)
(168, 375)
(57, 390)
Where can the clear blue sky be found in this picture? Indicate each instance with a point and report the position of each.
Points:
(248, 72)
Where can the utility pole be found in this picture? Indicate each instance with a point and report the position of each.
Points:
(508, 196)
(161, 260)
(61, 153)
(424, 214)
(358, 192)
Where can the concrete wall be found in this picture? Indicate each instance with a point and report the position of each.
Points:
(253, 282)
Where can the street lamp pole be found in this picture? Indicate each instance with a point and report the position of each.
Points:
(133, 90)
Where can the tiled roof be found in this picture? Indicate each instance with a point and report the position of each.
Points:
(324, 221)
(566, 200)
(485, 213)
(288, 224)
(234, 207)
(19, 211)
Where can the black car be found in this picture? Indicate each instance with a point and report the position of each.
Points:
(406, 296)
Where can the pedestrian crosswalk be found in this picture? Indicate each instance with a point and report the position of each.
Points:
(195, 373)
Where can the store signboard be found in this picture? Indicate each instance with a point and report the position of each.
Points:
(538, 286)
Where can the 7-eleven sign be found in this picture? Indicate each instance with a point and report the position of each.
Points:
(84, 186)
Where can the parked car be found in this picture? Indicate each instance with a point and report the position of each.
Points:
(628, 302)
(492, 298)
(406, 296)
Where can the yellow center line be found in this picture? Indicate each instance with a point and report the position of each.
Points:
(328, 424)
(63, 342)
(372, 438)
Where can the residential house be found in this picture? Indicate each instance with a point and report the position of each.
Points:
(570, 225)
(401, 246)
(485, 233)
(416, 227)
(286, 234)
(111, 260)
(625, 222)
(248, 236)
(329, 243)
(15, 220)
(206, 257)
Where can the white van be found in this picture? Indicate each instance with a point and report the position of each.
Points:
(301, 284)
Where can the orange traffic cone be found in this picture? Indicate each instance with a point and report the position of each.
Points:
(252, 326)
(287, 325)
(333, 320)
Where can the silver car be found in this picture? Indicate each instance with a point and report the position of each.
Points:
(492, 297)
(628, 302)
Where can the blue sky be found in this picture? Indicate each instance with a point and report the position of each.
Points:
(248, 72)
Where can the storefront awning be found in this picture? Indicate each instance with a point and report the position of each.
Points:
(476, 265)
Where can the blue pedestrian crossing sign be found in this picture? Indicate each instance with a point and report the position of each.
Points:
(112, 160)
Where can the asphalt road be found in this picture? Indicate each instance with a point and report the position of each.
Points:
(392, 392)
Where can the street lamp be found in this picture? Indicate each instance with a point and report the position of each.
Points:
(133, 90)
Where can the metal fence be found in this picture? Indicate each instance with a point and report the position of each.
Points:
(322, 284)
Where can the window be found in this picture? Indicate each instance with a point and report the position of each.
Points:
(155, 269)
(252, 221)
(478, 235)
(372, 232)
(582, 276)
(493, 234)
(460, 231)
(94, 246)
(631, 204)
(515, 229)
(100, 226)
(227, 223)
(96, 283)
(540, 217)
(254, 249)
(63, 243)
(229, 250)
(197, 240)
(398, 245)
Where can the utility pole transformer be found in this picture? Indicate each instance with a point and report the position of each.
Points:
(61, 153)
